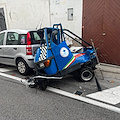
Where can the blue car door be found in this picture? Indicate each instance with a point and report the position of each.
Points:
(63, 56)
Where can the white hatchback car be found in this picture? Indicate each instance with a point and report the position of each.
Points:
(17, 48)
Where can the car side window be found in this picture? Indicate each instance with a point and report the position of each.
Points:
(2, 38)
(22, 39)
(12, 38)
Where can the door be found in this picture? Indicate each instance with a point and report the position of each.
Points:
(10, 49)
(2, 20)
(62, 54)
(101, 22)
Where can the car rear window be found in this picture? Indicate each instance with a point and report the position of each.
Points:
(35, 37)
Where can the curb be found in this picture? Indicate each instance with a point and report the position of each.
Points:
(109, 68)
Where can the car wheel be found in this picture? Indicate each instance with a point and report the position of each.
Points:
(22, 67)
(86, 74)
(43, 85)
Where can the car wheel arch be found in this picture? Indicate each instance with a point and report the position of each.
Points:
(18, 59)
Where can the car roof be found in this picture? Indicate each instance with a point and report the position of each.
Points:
(19, 31)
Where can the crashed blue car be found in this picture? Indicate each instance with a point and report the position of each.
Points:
(55, 58)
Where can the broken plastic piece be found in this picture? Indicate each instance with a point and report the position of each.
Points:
(78, 93)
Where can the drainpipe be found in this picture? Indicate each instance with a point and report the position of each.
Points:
(49, 13)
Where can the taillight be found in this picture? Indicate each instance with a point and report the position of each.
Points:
(28, 39)
(28, 50)
(28, 47)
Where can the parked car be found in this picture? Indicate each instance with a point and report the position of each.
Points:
(17, 48)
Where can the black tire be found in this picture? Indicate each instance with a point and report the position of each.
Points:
(23, 67)
(43, 85)
(86, 74)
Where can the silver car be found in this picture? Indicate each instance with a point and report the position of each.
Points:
(17, 48)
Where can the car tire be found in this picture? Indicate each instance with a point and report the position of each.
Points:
(23, 67)
(86, 74)
(43, 85)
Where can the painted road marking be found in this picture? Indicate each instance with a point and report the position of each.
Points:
(70, 95)
(23, 81)
(111, 95)
(6, 69)
(84, 99)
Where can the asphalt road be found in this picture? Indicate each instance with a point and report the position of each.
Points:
(18, 102)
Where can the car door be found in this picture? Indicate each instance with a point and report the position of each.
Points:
(2, 35)
(63, 56)
(10, 48)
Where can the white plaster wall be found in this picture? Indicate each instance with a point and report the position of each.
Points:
(26, 14)
(58, 10)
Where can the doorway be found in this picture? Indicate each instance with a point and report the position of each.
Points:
(2, 20)
(101, 22)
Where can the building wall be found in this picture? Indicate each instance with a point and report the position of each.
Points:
(26, 14)
(59, 14)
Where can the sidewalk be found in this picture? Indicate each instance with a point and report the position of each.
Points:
(109, 68)
(108, 75)
(109, 80)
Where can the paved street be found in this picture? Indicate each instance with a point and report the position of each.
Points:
(19, 102)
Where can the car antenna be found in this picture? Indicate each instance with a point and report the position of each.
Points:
(39, 22)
